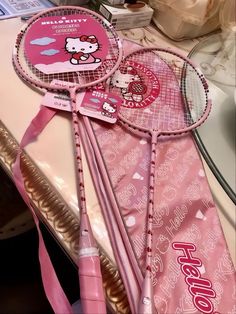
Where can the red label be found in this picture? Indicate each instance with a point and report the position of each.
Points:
(61, 44)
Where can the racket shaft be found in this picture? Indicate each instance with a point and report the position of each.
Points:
(146, 304)
(91, 289)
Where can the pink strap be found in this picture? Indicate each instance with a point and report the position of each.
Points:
(52, 287)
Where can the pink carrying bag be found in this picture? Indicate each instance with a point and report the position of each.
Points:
(192, 271)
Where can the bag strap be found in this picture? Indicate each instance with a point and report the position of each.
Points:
(51, 284)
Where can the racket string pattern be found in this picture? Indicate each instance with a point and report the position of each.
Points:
(174, 101)
(168, 112)
(72, 82)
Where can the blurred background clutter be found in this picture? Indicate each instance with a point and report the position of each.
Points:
(177, 19)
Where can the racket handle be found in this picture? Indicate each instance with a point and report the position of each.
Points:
(91, 289)
(146, 305)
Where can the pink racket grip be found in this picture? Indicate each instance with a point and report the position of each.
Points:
(91, 288)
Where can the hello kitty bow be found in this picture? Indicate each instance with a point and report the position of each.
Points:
(89, 39)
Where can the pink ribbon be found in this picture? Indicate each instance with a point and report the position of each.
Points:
(52, 287)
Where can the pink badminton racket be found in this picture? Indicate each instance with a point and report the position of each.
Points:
(164, 94)
(66, 49)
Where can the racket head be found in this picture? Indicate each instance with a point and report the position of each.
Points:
(77, 79)
(163, 92)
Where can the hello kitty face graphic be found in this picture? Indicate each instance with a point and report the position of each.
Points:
(108, 109)
(82, 49)
(123, 79)
(137, 84)
(130, 84)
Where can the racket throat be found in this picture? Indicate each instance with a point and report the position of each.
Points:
(155, 135)
(87, 244)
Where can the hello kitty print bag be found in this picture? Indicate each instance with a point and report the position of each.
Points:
(192, 271)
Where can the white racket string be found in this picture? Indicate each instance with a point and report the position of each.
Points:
(167, 111)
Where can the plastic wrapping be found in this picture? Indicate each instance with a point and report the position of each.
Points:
(186, 19)
(228, 16)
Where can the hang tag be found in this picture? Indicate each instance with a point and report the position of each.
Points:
(92, 103)
(99, 104)
(57, 101)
